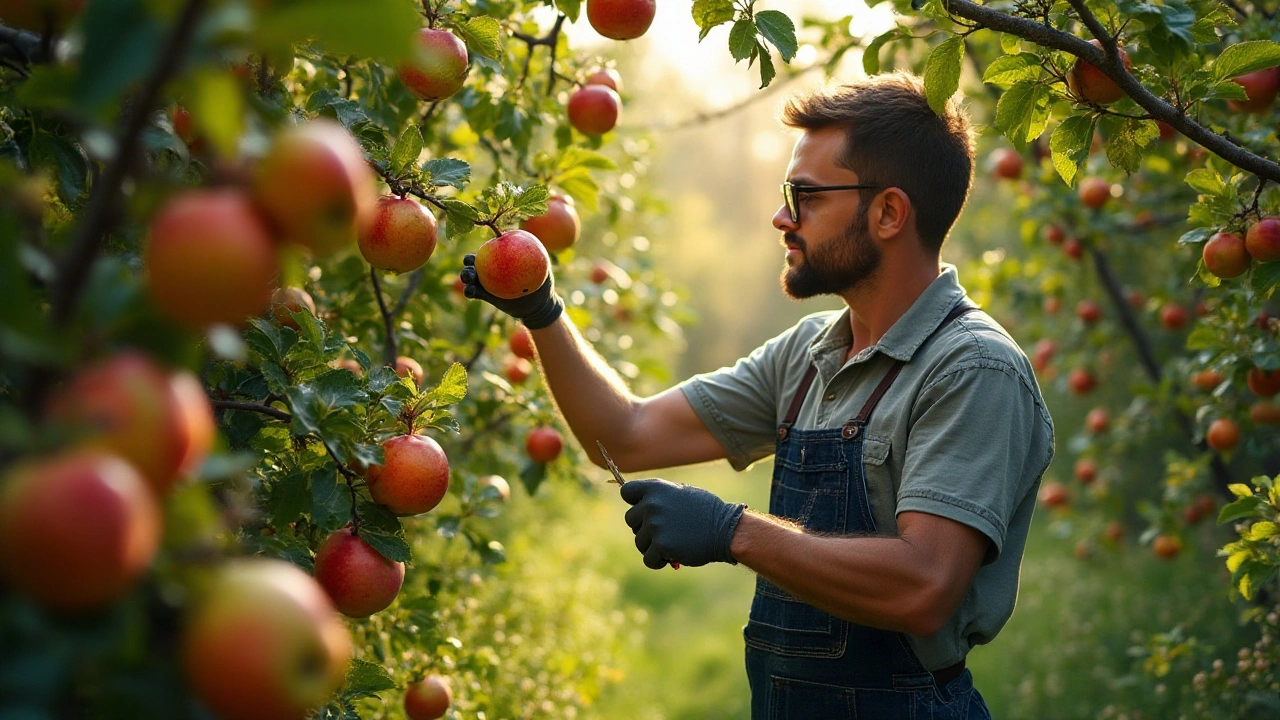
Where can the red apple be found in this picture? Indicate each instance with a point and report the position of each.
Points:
(1113, 532)
(77, 530)
(1263, 240)
(1135, 298)
(599, 273)
(1260, 86)
(161, 422)
(408, 367)
(315, 187)
(1089, 83)
(1226, 255)
(1086, 470)
(1166, 547)
(516, 369)
(1265, 412)
(605, 76)
(1263, 383)
(1081, 381)
(1073, 248)
(1223, 434)
(513, 264)
(594, 109)
(288, 300)
(428, 699)
(1043, 353)
(1198, 509)
(543, 444)
(1088, 311)
(1167, 132)
(1053, 234)
(559, 227)
(438, 67)
(210, 259)
(521, 343)
(264, 643)
(1055, 495)
(413, 477)
(1094, 192)
(1006, 164)
(399, 235)
(1207, 379)
(1052, 305)
(1098, 420)
(499, 484)
(1174, 316)
(621, 19)
(357, 578)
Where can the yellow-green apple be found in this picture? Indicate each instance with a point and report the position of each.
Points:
(1088, 311)
(1174, 316)
(605, 76)
(288, 300)
(76, 530)
(1006, 164)
(558, 228)
(408, 367)
(1086, 470)
(1055, 495)
(428, 699)
(1206, 379)
(543, 444)
(513, 264)
(210, 259)
(499, 484)
(413, 477)
(621, 19)
(517, 369)
(1094, 192)
(264, 642)
(594, 109)
(1081, 381)
(1265, 412)
(314, 186)
(1098, 420)
(1263, 240)
(161, 422)
(1263, 383)
(359, 580)
(438, 66)
(1166, 547)
(1260, 87)
(521, 343)
(398, 235)
(1223, 434)
(1089, 83)
(39, 15)
(1226, 255)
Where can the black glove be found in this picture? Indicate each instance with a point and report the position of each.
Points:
(536, 310)
(680, 523)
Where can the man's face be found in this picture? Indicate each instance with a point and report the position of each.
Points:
(830, 249)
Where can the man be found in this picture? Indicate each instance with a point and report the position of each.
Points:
(908, 431)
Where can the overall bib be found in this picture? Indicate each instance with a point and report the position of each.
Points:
(805, 663)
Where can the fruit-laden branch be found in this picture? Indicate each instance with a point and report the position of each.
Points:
(252, 407)
(389, 350)
(102, 212)
(1108, 62)
(1142, 343)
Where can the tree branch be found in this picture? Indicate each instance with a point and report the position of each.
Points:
(389, 351)
(252, 407)
(1108, 61)
(415, 279)
(102, 213)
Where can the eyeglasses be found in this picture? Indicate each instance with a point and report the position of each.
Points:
(791, 190)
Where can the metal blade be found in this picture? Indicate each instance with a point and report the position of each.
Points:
(617, 476)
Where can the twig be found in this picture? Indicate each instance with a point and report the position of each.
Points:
(551, 40)
(351, 485)
(705, 117)
(388, 320)
(252, 407)
(102, 212)
(493, 316)
(414, 280)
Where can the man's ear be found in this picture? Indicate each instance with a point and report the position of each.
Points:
(891, 214)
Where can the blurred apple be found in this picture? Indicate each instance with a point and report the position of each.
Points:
(1174, 316)
(517, 369)
(1206, 379)
(1088, 311)
(1223, 434)
(543, 444)
(513, 264)
(39, 16)
(1166, 547)
(428, 698)
(605, 76)
(288, 300)
(1265, 412)
(413, 477)
(1260, 87)
(1006, 164)
(1081, 381)
(399, 235)
(594, 109)
(1055, 495)
(1263, 383)
(1098, 420)
(1094, 192)
(438, 67)
(358, 579)
(521, 343)
(1086, 470)
(408, 367)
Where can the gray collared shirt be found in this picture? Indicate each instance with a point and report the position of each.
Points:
(963, 432)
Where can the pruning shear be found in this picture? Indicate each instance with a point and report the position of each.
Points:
(617, 477)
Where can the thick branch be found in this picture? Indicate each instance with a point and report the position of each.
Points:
(102, 211)
(252, 407)
(1108, 61)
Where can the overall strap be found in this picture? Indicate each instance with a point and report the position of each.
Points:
(793, 412)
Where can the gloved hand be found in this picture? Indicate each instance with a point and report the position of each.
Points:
(680, 523)
(536, 310)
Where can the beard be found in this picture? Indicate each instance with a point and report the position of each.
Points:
(835, 266)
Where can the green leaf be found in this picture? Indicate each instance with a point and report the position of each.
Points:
(942, 73)
(406, 150)
(366, 679)
(1010, 69)
(63, 157)
(742, 39)
(570, 8)
(1202, 338)
(459, 212)
(1206, 182)
(709, 13)
(579, 184)
(382, 530)
(1261, 531)
(290, 496)
(380, 29)
(1124, 149)
(216, 103)
(339, 389)
(330, 501)
(447, 171)
(1069, 145)
(575, 156)
(1246, 57)
(1265, 278)
(512, 121)
(269, 340)
(1196, 236)
(532, 475)
(767, 73)
(871, 56)
(1023, 111)
(121, 45)
(1009, 43)
(453, 386)
(779, 30)
(483, 36)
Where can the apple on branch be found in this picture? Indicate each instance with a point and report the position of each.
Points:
(357, 578)
(1226, 255)
(605, 76)
(1089, 83)
(559, 227)
(543, 444)
(398, 235)
(621, 19)
(413, 477)
(408, 367)
(438, 67)
(428, 699)
(288, 300)
(513, 264)
(594, 109)
(1262, 240)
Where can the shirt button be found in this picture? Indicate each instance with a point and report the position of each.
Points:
(830, 397)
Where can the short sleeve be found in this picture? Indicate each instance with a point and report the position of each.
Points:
(979, 442)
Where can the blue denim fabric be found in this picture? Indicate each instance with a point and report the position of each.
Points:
(804, 663)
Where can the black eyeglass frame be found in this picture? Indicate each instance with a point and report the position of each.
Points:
(791, 190)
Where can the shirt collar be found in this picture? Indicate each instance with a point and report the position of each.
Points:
(910, 331)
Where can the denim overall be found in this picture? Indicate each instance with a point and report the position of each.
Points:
(805, 663)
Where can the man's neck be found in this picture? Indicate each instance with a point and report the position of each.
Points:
(877, 303)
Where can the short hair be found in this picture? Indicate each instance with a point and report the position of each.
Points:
(893, 138)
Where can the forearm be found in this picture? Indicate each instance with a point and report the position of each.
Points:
(882, 582)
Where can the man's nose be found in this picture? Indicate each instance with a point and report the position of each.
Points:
(782, 220)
